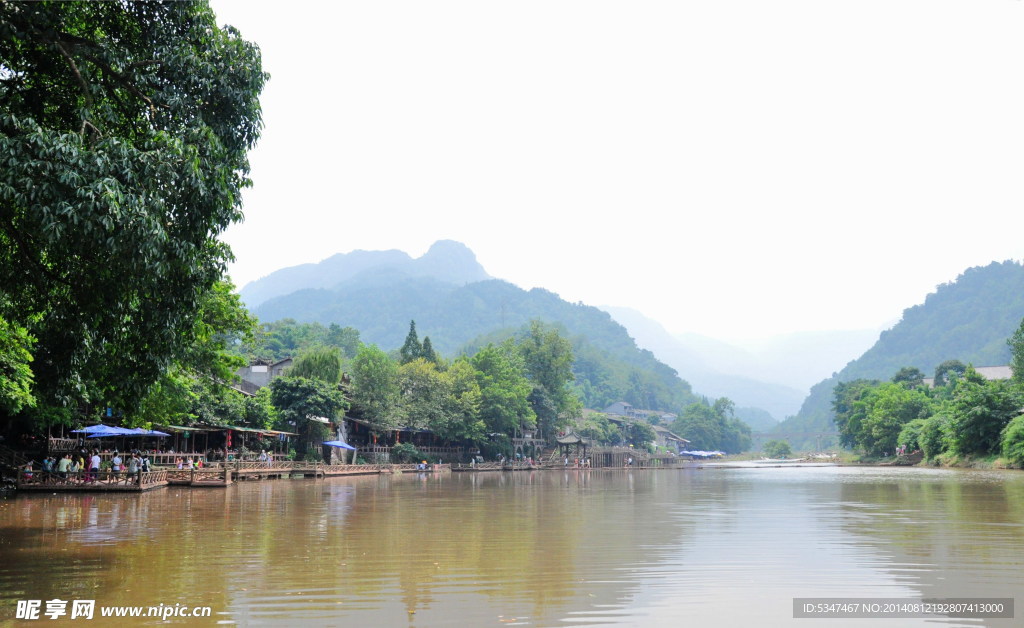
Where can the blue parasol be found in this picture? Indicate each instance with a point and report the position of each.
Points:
(338, 443)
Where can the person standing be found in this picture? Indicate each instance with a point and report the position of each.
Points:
(63, 466)
(115, 464)
(94, 466)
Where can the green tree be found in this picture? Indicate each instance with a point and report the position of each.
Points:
(423, 394)
(15, 369)
(700, 425)
(323, 363)
(850, 409)
(639, 434)
(299, 400)
(549, 363)
(777, 449)
(910, 435)
(427, 351)
(1016, 343)
(196, 383)
(933, 438)
(909, 377)
(1012, 443)
(504, 389)
(891, 406)
(978, 412)
(942, 371)
(596, 427)
(344, 338)
(375, 388)
(462, 405)
(412, 348)
(124, 128)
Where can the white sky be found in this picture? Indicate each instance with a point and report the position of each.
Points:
(734, 168)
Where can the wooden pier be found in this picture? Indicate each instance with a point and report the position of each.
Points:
(103, 481)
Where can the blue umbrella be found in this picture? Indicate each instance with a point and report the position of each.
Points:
(101, 430)
(338, 443)
(138, 431)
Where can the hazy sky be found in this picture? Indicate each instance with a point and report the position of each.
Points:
(727, 167)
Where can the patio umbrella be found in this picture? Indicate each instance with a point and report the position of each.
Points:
(103, 430)
(338, 443)
(138, 431)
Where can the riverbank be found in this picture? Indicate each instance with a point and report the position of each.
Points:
(945, 460)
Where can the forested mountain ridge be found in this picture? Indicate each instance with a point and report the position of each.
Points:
(447, 261)
(969, 320)
(609, 365)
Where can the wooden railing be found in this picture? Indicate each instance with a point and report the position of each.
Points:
(191, 476)
(12, 458)
(62, 444)
(86, 479)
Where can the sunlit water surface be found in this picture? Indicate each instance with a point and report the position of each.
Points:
(653, 548)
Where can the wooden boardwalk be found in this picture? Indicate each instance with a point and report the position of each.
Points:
(101, 481)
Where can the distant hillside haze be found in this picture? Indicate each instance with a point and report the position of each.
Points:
(446, 261)
(967, 320)
(773, 374)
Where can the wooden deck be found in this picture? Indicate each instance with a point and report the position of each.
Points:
(101, 481)
(216, 475)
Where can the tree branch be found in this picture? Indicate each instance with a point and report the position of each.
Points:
(78, 75)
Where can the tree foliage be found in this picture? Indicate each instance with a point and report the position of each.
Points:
(1012, 442)
(376, 394)
(909, 377)
(713, 427)
(504, 389)
(979, 411)
(411, 348)
(777, 449)
(124, 129)
(322, 363)
(549, 361)
(949, 371)
(15, 368)
(298, 400)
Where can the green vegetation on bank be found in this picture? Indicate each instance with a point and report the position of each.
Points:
(967, 320)
(963, 417)
(124, 130)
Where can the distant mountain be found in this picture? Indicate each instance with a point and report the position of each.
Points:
(758, 419)
(773, 374)
(446, 261)
(380, 302)
(798, 360)
(695, 364)
(967, 320)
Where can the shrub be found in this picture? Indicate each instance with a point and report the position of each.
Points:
(910, 435)
(932, 438)
(1013, 441)
(405, 452)
(777, 449)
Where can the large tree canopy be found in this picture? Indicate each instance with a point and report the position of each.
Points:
(124, 128)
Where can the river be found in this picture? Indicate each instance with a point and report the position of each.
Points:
(721, 546)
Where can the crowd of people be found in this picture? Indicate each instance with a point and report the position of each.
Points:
(87, 467)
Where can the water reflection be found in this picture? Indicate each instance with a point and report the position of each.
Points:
(540, 548)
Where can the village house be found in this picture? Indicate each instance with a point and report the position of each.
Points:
(261, 372)
(988, 372)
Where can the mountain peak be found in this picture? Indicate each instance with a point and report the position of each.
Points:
(446, 260)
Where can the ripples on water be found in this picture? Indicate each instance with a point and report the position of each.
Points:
(651, 548)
